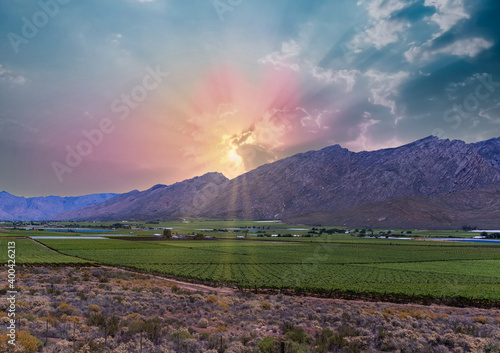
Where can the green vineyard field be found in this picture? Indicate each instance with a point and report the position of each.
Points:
(409, 269)
(29, 252)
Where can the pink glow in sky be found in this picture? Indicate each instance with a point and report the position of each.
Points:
(114, 96)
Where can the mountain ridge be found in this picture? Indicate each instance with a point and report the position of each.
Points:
(336, 178)
(327, 180)
(39, 208)
(473, 208)
(150, 204)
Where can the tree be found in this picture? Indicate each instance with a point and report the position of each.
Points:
(167, 233)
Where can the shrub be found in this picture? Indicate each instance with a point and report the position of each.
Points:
(94, 307)
(287, 326)
(182, 335)
(156, 290)
(223, 303)
(480, 319)
(29, 317)
(96, 319)
(113, 325)
(203, 323)
(220, 329)
(265, 305)
(211, 299)
(345, 316)
(299, 336)
(204, 336)
(152, 328)
(23, 338)
(267, 345)
(132, 316)
(347, 331)
(322, 342)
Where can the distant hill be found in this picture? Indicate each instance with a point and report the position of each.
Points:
(475, 208)
(161, 202)
(44, 207)
(329, 180)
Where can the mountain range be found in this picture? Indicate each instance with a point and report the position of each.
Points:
(430, 183)
(45, 207)
(472, 208)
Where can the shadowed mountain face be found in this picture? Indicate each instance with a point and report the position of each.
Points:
(44, 208)
(490, 150)
(475, 208)
(331, 179)
(335, 179)
(161, 202)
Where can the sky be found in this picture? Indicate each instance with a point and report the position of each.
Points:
(116, 95)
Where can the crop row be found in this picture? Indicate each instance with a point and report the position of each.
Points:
(248, 252)
(410, 269)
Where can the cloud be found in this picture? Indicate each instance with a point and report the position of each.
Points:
(290, 57)
(448, 13)
(380, 9)
(469, 47)
(348, 77)
(367, 138)
(492, 114)
(312, 122)
(9, 76)
(286, 57)
(115, 40)
(384, 87)
(383, 33)
(382, 30)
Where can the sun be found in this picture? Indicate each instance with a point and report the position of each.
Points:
(234, 157)
(230, 148)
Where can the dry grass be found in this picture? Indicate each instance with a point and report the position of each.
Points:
(240, 321)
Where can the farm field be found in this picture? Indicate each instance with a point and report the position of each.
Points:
(29, 252)
(215, 228)
(392, 270)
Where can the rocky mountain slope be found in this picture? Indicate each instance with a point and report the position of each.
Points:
(490, 150)
(335, 179)
(45, 207)
(330, 179)
(161, 202)
(474, 208)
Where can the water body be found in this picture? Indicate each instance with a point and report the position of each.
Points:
(78, 230)
(469, 240)
(384, 237)
(67, 238)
